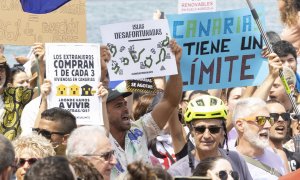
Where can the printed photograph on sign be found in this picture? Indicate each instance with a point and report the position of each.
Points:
(196, 6)
(139, 49)
(219, 49)
(74, 71)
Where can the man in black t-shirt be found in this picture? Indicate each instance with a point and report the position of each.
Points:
(278, 133)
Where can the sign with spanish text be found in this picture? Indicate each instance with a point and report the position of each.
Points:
(196, 6)
(64, 22)
(74, 71)
(146, 85)
(220, 49)
(139, 49)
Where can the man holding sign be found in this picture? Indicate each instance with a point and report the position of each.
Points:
(130, 139)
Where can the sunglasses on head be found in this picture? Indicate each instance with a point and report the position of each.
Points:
(106, 155)
(223, 175)
(47, 134)
(284, 116)
(211, 129)
(22, 161)
(261, 120)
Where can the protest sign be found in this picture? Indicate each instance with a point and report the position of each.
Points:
(146, 85)
(74, 71)
(139, 49)
(66, 24)
(220, 49)
(196, 6)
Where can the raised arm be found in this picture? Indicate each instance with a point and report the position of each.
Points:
(45, 91)
(105, 57)
(274, 66)
(39, 52)
(177, 132)
(103, 93)
(163, 110)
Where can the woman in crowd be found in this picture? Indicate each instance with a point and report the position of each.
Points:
(216, 168)
(289, 12)
(18, 77)
(84, 169)
(138, 170)
(28, 150)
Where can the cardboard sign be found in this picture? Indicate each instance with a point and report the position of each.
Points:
(146, 85)
(66, 24)
(139, 50)
(74, 71)
(220, 49)
(196, 6)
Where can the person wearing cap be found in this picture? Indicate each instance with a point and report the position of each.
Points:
(252, 121)
(130, 139)
(12, 102)
(205, 116)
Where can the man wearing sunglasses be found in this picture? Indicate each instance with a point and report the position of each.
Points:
(56, 124)
(278, 133)
(205, 117)
(253, 122)
(7, 156)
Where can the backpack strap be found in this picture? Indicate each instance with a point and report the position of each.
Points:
(262, 166)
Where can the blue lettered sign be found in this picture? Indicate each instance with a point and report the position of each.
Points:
(220, 49)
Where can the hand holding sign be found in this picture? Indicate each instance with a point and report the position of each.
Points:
(46, 88)
(102, 92)
(39, 51)
(176, 50)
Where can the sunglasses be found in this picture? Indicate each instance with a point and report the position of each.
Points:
(106, 155)
(211, 129)
(284, 116)
(22, 161)
(223, 175)
(47, 134)
(261, 120)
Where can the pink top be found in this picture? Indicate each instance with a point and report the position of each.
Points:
(292, 34)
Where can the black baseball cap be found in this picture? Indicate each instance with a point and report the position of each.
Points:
(113, 94)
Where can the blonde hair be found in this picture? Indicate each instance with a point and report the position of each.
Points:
(35, 144)
(289, 15)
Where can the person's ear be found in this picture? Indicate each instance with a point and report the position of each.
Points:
(239, 125)
(65, 139)
(189, 125)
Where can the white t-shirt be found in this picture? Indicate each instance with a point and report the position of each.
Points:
(270, 158)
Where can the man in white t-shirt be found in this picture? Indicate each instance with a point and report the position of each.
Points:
(252, 121)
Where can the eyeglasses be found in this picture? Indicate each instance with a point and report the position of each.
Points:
(22, 161)
(47, 134)
(106, 155)
(223, 175)
(261, 120)
(285, 116)
(212, 129)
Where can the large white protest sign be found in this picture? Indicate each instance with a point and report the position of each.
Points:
(196, 6)
(74, 71)
(139, 49)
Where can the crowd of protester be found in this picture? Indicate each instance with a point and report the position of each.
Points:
(236, 133)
